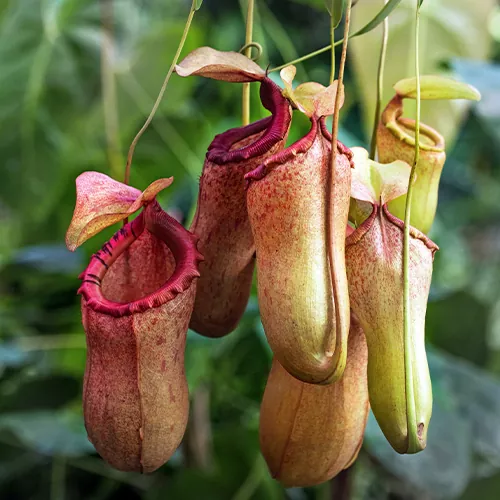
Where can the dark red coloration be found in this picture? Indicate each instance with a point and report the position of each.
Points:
(181, 244)
(138, 294)
(221, 220)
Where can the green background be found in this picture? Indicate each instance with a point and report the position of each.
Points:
(53, 115)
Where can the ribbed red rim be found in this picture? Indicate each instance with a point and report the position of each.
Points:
(299, 147)
(275, 126)
(180, 242)
(365, 226)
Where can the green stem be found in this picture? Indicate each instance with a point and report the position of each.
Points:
(331, 181)
(413, 445)
(108, 85)
(57, 480)
(98, 467)
(34, 93)
(186, 157)
(279, 35)
(252, 482)
(307, 56)
(245, 98)
(162, 92)
(332, 52)
(386, 10)
(380, 85)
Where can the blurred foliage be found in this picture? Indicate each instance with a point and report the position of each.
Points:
(53, 128)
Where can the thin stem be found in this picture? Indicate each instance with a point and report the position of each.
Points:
(245, 98)
(162, 92)
(108, 85)
(332, 52)
(98, 467)
(380, 85)
(307, 56)
(413, 445)
(57, 479)
(335, 131)
(338, 95)
(252, 482)
(279, 35)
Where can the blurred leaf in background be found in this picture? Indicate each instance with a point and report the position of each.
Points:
(52, 124)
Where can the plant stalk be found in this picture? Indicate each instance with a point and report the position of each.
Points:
(108, 85)
(245, 98)
(335, 131)
(413, 445)
(332, 52)
(162, 92)
(380, 85)
(386, 10)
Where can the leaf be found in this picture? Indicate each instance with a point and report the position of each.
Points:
(287, 74)
(50, 258)
(44, 392)
(378, 19)
(226, 66)
(13, 357)
(322, 100)
(375, 182)
(464, 427)
(312, 98)
(335, 9)
(477, 396)
(306, 94)
(486, 77)
(101, 201)
(441, 39)
(197, 4)
(49, 433)
(436, 87)
(444, 468)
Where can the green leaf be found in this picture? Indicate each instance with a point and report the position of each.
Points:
(477, 395)
(335, 9)
(13, 357)
(440, 40)
(49, 258)
(464, 436)
(197, 4)
(376, 182)
(49, 433)
(444, 468)
(384, 12)
(312, 98)
(44, 392)
(436, 87)
(485, 76)
(329, 4)
(450, 320)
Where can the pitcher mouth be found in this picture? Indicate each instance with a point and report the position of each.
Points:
(318, 126)
(404, 128)
(275, 128)
(180, 242)
(297, 148)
